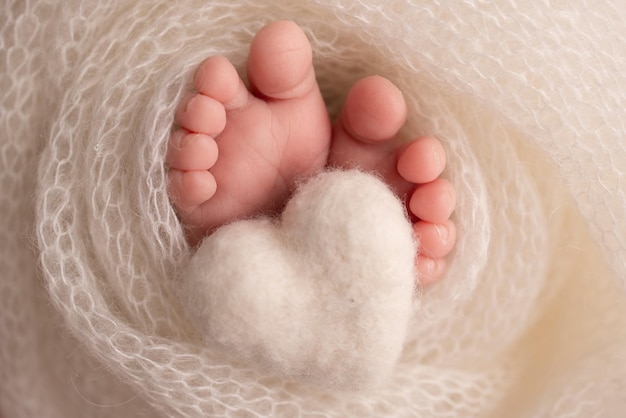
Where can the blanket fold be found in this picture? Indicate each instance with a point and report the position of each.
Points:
(529, 101)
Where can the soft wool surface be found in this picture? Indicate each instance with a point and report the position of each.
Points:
(323, 295)
(98, 315)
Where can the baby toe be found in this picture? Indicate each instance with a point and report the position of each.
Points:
(189, 189)
(191, 151)
(430, 270)
(374, 110)
(202, 114)
(433, 202)
(436, 240)
(280, 62)
(217, 78)
(422, 161)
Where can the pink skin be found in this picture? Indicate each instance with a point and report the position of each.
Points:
(239, 151)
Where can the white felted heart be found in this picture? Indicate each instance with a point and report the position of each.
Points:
(323, 294)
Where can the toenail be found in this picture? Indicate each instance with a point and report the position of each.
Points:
(451, 199)
(189, 103)
(426, 265)
(443, 233)
(438, 155)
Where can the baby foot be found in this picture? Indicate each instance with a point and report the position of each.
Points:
(267, 138)
(364, 137)
(278, 132)
(238, 153)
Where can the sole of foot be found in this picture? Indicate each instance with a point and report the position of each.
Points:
(240, 149)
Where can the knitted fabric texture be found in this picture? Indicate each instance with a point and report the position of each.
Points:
(529, 100)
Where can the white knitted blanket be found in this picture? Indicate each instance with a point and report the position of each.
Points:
(99, 315)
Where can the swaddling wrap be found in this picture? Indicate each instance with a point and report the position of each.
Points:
(529, 101)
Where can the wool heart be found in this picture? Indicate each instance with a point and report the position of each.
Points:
(323, 294)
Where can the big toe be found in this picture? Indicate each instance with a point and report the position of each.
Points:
(280, 62)
(374, 110)
(364, 135)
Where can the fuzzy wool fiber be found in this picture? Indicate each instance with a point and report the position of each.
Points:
(323, 295)
(102, 311)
